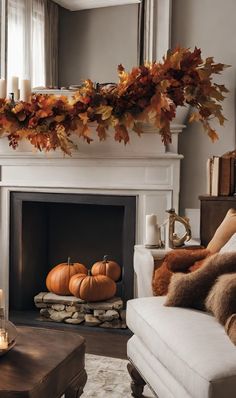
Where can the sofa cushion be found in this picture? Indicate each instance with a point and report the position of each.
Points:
(224, 232)
(190, 344)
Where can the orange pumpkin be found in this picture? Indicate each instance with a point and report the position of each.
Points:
(92, 288)
(58, 278)
(108, 268)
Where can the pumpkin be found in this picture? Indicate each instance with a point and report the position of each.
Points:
(108, 268)
(92, 288)
(58, 278)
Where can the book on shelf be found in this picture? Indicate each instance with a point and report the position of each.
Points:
(215, 176)
(209, 175)
(221, 174)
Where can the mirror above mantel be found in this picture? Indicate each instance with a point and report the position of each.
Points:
(76, 5)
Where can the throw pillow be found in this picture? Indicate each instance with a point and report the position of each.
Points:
(191, 290)
(180, 260)
(224, 232)
(221, 300)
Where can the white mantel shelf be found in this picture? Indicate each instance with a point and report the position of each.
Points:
(58, 159)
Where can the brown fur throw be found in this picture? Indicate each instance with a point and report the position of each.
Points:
(191, 290)
(221, 300)
(212, 287)
(181, 260)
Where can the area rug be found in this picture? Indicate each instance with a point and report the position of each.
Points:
(108, 378)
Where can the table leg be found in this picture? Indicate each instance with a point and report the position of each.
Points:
(76, 387)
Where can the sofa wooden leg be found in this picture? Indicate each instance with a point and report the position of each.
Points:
(137, 383)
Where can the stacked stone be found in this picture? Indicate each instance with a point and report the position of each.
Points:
(69, 309)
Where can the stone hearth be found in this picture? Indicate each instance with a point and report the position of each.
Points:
(69, 309)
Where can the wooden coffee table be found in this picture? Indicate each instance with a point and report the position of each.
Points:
(43, 364)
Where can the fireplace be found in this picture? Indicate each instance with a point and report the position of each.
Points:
(48, 190)
(46, 228)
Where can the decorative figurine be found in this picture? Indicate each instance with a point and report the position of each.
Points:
(173, 238)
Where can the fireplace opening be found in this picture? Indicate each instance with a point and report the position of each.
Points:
(47, 228)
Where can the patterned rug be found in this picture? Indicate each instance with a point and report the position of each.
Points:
(108, 378)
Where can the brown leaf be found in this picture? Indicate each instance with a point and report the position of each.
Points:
(121, 134)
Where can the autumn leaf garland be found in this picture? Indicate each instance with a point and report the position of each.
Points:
(149, 93)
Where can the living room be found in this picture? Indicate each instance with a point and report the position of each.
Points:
(97, 171)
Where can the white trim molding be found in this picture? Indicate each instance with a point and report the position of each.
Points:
(77, 5)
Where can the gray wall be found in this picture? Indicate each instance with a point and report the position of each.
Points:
(210, 25)
(92, 43)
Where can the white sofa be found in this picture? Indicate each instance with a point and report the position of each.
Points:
(179, 353)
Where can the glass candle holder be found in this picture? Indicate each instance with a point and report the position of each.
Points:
(3, 340)
(8, 334)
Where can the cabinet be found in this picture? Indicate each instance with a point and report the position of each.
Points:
(212, 213)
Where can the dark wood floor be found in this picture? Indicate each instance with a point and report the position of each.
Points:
(107, 342)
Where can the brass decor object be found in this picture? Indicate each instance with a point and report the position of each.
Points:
(174, 239)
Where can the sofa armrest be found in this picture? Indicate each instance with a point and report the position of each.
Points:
(144, 268)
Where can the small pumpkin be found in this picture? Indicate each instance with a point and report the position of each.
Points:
(58, 278)
(92, 288)
(107, 267)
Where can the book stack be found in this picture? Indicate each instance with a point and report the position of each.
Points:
(221, 174)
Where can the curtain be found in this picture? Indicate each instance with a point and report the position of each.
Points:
(141, 33)
(147, 31)
(18, 56)
(154, 29)
(38, 73)
(51, 43)
(32, 41)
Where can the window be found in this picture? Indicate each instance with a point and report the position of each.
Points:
(26, 41)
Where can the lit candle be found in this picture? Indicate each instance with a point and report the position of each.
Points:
(3, 89)
(25, 90)
(14, 86)
(3, 340)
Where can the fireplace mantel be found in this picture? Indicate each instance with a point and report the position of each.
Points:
(147, 170)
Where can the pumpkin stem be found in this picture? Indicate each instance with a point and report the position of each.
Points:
(68, 261)
(89, 272)
(105, 258)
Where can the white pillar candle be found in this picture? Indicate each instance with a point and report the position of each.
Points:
(3, 88)
(25, 90)
(14, 86)
(152, 230)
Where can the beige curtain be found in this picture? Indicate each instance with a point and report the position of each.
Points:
(51, 43)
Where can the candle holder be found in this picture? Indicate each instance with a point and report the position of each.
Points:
(8, 334)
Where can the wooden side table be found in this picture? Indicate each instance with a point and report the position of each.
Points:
(213, 211)
(43, 364)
